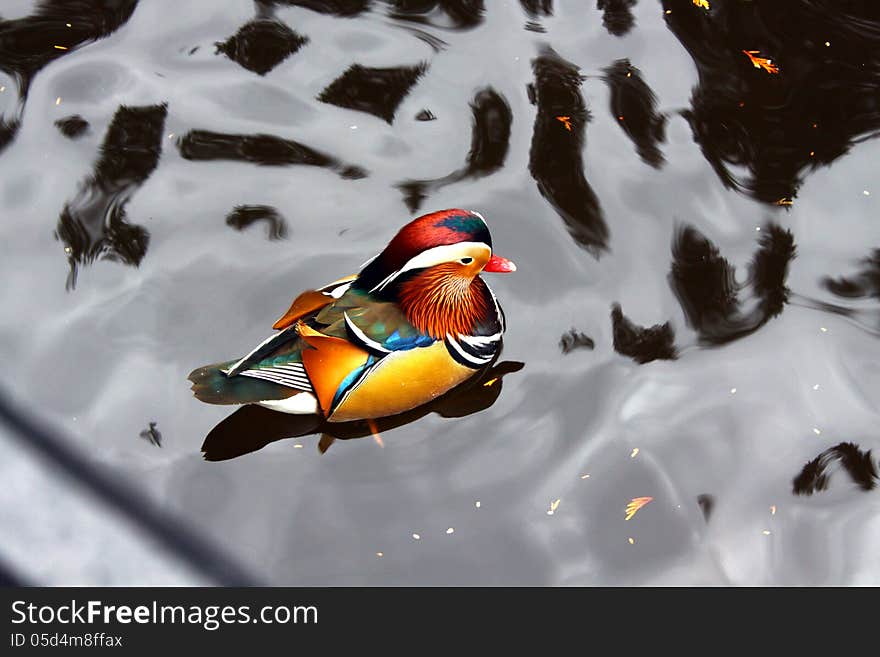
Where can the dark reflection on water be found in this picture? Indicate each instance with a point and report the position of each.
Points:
(705, 285)
(858, 464)
(776, 125)
(251, 428)
(617, 16)
(28, 44)
(864, 284)
(243, 216)
(261, 45)
(490, 140)
(639, 343)
(378, 91)
(575, 339)
(94, 224)
(706, 503)
(72, 126)
(453, 14)
(342, 8)
(635, 106)
(557, 141)
(267, 150)
(152, 435)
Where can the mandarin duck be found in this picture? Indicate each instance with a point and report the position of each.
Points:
(416, 322)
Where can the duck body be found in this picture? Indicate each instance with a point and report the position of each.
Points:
(416, 322)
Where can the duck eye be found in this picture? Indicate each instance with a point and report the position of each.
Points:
(466, 260)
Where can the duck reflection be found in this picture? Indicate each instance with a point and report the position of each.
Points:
(251, 428)
(779, 126)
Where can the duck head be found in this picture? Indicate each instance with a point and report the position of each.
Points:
(432, 267)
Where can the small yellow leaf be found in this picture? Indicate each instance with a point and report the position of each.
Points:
(703, 4)
(555, 504)
(636, 504)
(566, 121)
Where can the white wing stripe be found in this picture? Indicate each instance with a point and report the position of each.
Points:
(363, 337)
(275, 377)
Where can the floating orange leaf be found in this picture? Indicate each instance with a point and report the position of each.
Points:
(636, 504)
(704, 4)
(784, 201)
(761, 62)
(566, 121)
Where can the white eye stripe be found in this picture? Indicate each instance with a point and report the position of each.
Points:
(438, 255)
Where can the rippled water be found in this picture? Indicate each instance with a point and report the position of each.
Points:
(172, 174)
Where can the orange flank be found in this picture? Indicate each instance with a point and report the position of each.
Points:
(328, 362)
(636, 504)
(566, 121)
(761, 62)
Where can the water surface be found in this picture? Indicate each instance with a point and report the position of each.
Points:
(214, 159)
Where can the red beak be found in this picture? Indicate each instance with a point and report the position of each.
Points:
(499, 265)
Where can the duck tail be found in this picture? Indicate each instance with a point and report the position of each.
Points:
(211, 385)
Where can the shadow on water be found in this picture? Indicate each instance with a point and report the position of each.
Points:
(251, 428)
(776, 125)
(377, 91)
(490, 140)
(93, 225)
(557, 142)
(28, 44)
(635, 107)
